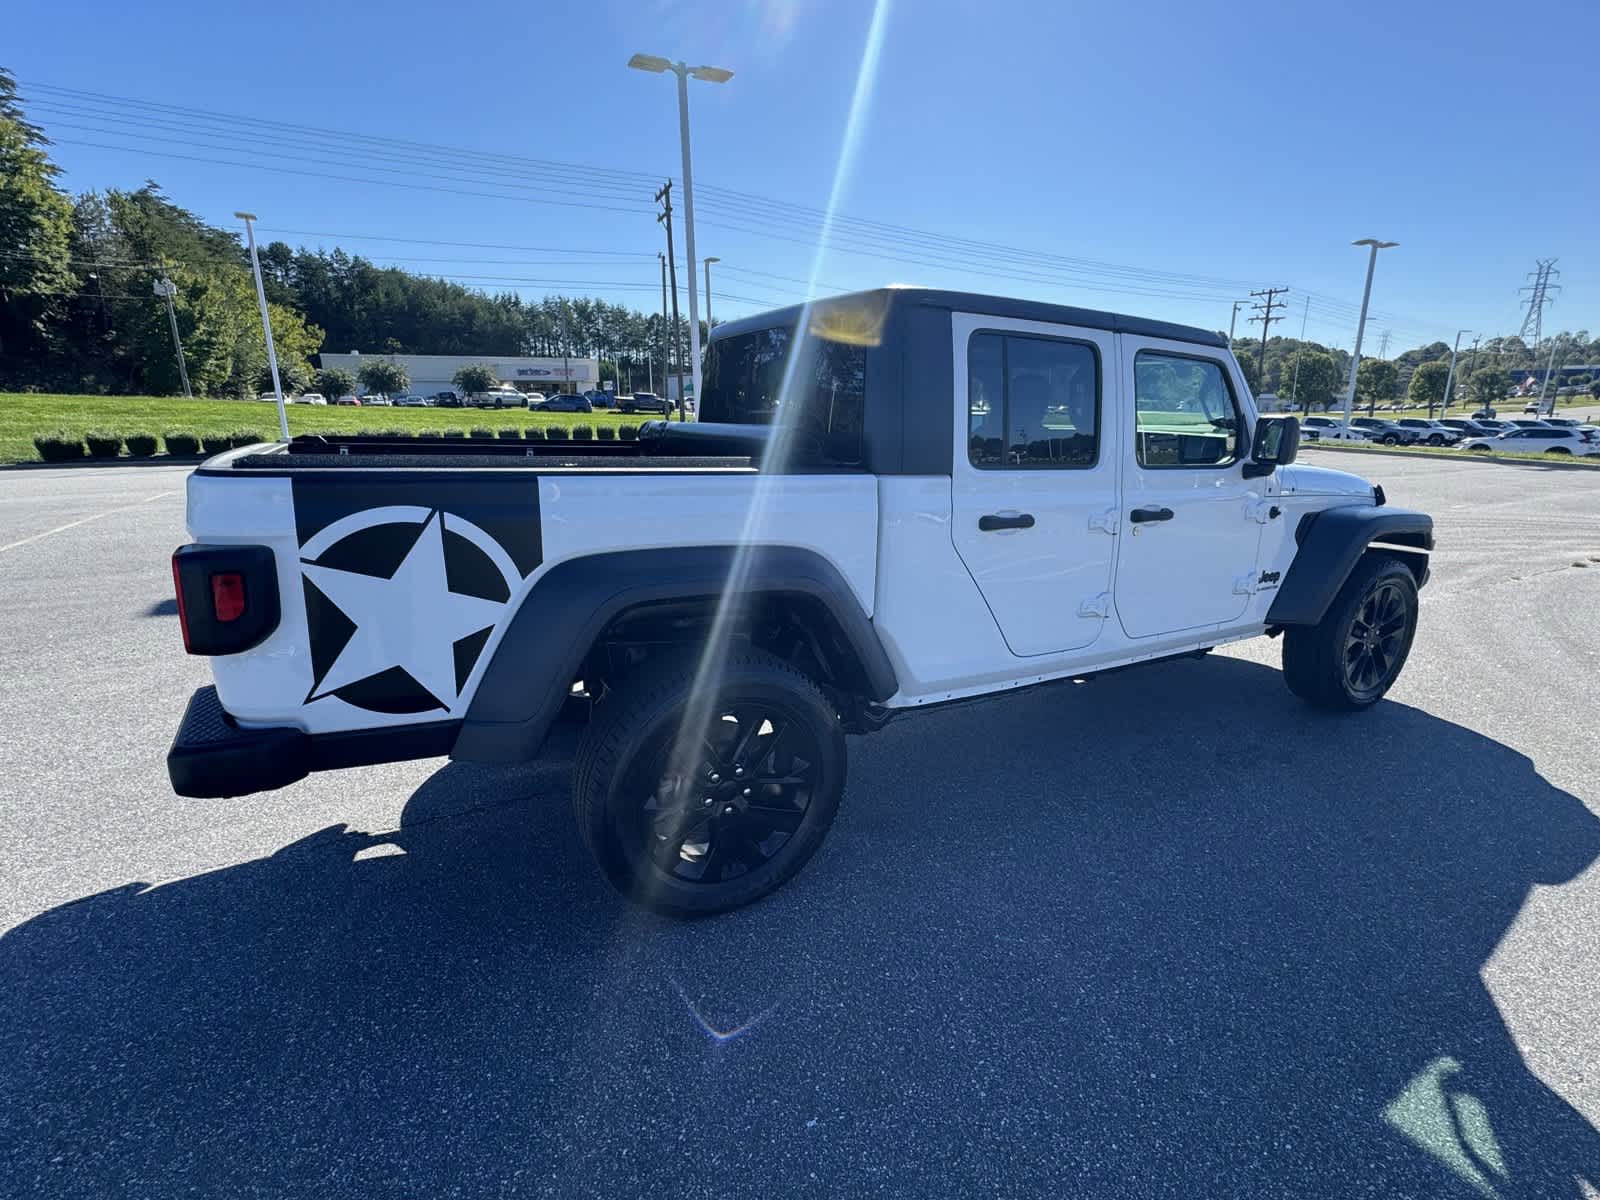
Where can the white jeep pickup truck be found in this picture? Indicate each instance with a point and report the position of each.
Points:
(895, 499)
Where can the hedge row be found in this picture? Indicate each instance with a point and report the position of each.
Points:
(60, 446)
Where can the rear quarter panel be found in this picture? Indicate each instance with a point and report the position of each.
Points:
(351, 551)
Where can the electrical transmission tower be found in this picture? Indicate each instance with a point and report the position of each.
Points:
(1263, 310)
(1383, 344)
(1539, 293)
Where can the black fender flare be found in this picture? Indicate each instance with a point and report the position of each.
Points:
(1331, 542)
(526, 683)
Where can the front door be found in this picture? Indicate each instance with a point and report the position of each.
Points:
(1190, 517)
(1034, 477)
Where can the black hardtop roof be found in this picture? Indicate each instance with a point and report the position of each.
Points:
(994, 306)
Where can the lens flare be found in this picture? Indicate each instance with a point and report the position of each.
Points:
(687, 743)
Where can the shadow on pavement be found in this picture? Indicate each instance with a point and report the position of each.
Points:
(1168, 933)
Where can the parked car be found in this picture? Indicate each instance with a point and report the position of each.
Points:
(1433, 433)
(499, 398)
(1528, 423)
(349, 401)
(1563, 422)
(1469, 429)
(311, 398)
(1313, 424)
(1531, 407)
(1353, 435)
(710, 771)
(377, 401)
(644, 402)
(599, 399)
(1493, 425)
(1387, 432)
(1544, 440)
(561, 402)
(447, 399)
(1483, 413)
(411, 402)
(272, 398)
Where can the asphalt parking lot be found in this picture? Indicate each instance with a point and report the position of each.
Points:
(1168, 933)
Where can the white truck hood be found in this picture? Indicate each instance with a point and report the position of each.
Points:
(1299, 480)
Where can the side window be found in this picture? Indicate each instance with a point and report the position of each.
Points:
(1032, 402)
(1186, 415)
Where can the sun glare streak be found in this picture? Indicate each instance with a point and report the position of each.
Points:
(686, 746)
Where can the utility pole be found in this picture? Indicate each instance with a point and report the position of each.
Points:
(165, 288)
(665, 217)
(666, 353)
(1233, 320)
(1449, 379)
(1266, 318)
(1294, 389)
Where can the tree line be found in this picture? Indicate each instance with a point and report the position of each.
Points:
(1314, 376)
(79, 311)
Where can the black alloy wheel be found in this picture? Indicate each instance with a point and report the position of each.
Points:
(697, 796)
(742, 797)
(1351, 658)
(1378, 634)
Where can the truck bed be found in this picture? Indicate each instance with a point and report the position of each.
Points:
(660, 447)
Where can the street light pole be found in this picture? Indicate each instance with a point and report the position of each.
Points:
(656, 64)
(266, 321)
(1361, 324)
(1450, 378)
(709, 261)
(165, 288)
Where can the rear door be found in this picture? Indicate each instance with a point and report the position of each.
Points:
(1192, 524)
(1034, 476)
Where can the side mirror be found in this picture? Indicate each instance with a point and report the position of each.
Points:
(1276, 443)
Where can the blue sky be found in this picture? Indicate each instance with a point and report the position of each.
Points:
(1155, 158)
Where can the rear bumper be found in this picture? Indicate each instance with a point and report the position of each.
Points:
(213, 757)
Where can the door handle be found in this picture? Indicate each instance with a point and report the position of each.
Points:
(1140, 516)
(996, 521)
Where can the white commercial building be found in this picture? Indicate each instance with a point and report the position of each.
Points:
(431, 373)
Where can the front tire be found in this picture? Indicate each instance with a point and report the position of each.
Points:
(1353, 656)
(694, 821)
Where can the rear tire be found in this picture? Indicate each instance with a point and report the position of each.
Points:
(691, 824)
(1352, 658)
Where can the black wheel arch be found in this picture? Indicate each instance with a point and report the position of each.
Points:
(662, 596)
(1330, 544)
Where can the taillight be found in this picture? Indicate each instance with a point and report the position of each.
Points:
(183, 615)
(227, 595)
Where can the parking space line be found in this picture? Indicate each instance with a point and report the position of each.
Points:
(110, 512)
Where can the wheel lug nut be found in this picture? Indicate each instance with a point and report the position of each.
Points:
(747, 791)
(738, 770)
(715, 778)
(728, 811)
(709, 800)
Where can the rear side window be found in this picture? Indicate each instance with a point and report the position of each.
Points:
(1032, 402)
(826, 403)
(1186, 412)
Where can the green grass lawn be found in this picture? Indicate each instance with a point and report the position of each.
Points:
(24, 414)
